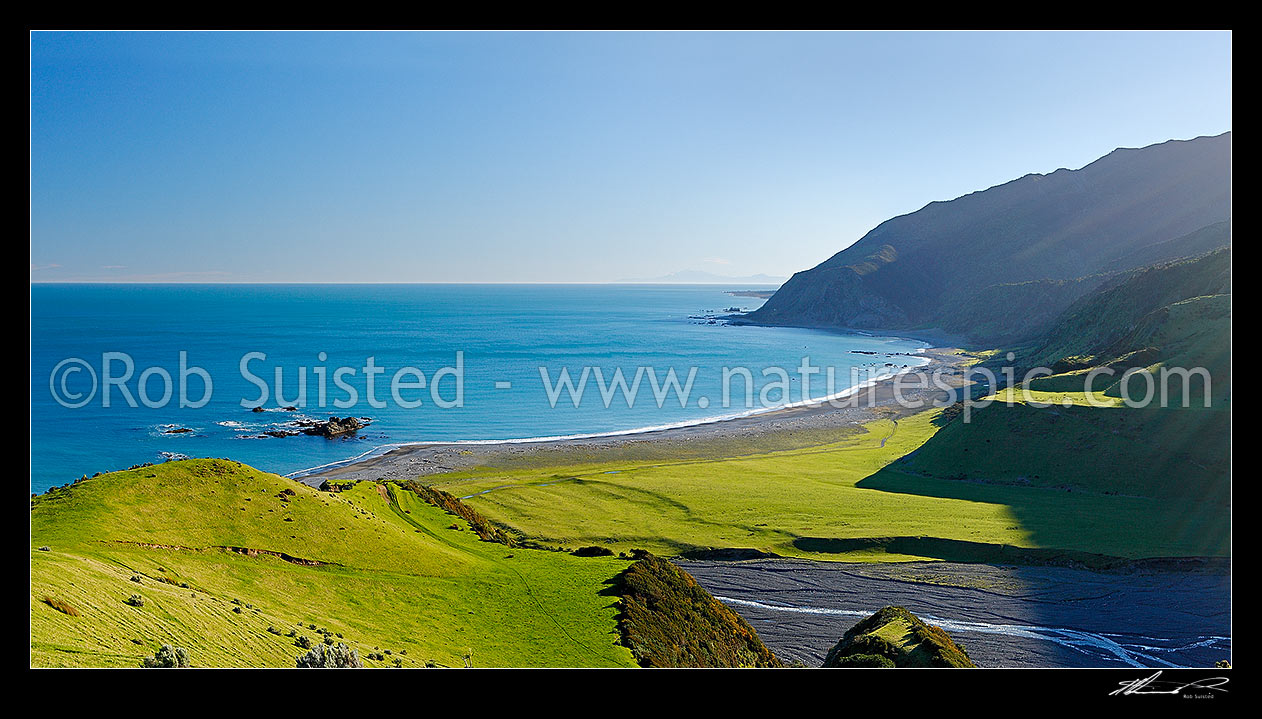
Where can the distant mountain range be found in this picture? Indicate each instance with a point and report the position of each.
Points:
(700, 277)
(1001, 265)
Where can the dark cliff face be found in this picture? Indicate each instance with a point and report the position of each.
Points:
(926, 268)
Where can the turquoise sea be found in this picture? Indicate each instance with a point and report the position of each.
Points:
(492, 338)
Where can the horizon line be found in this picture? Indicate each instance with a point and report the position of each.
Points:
(433, 282)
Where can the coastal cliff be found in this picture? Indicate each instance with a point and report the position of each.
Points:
(1001, 264)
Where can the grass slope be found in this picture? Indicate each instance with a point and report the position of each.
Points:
(799, 502)
(395, 574)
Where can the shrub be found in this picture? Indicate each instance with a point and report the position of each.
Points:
(135, 578)
(136, 600)
(167, 658)
(449, 503)
(303, 642)
(668, 620)
(593, 551)
(322, 656)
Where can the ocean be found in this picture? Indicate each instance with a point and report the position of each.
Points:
(448, 363)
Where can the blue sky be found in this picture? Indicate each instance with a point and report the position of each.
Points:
(537, 157)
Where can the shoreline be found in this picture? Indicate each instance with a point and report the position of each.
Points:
(933, 336)
(815, 421)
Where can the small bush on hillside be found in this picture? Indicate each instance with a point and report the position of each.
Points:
(338, 656)
(303, 642)
(167, 658)
(136, 600)
(593, 551)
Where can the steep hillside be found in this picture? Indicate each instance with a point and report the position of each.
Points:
(923, 269)
(1014, 312)
(1119, 316)
(1193, 244)
(1048, 435)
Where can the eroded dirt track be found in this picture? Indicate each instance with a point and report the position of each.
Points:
(1004, 616)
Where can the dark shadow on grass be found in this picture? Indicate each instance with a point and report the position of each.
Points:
(955, 550)
(1100, 482)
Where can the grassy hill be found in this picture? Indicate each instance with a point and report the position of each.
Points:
(894, 637)
(1168, 316)
(230, 561)
(1149, 321)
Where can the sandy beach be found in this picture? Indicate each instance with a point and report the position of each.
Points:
(786, 428)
